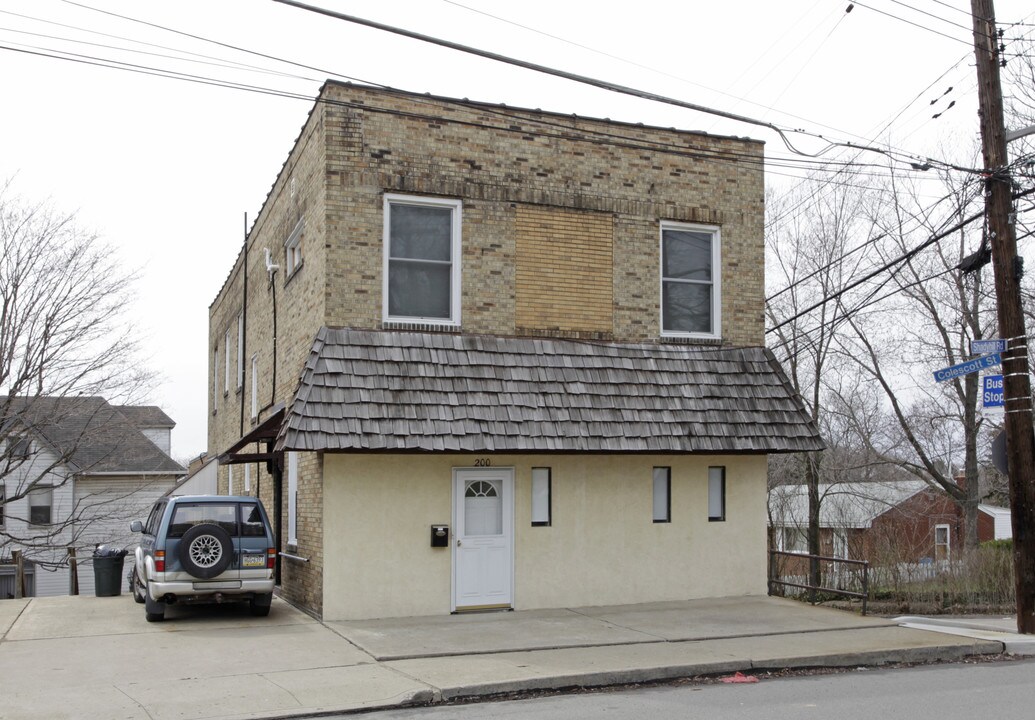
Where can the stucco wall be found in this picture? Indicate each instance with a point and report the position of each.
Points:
(601, 548)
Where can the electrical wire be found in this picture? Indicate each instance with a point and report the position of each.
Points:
(601, 84)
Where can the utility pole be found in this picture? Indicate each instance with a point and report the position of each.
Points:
(1020, 435)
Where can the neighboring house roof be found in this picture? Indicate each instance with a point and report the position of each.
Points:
(147, 416)
(370, 390)
(91, 435)
(842, 505)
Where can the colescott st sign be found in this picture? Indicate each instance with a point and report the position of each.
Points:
(971, 366)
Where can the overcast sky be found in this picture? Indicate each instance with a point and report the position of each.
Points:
(166, 169)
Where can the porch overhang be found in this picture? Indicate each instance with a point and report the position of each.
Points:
(264, 432)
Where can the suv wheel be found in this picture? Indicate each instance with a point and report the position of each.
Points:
(154, 610)
(138, 588)
(205, 551)
(260, 605)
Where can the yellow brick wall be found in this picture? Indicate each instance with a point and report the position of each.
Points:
(564, 277)
(560, 236)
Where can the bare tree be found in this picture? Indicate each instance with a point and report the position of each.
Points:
(64, 345)
(933, 306)
(809, 234)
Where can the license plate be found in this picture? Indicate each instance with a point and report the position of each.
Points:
(254, 560)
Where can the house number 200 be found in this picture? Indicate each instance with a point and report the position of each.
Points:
(483, 462)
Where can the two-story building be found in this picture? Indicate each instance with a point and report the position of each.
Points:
(75, 471)
(475, 356)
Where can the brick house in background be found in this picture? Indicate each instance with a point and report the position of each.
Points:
(901, 521)
(474, 356)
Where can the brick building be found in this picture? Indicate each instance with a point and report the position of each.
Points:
(886, 523)
(477, 356)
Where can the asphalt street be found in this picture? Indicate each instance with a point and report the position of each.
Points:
(1004, 690)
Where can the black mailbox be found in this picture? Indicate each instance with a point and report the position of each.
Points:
(439, 536)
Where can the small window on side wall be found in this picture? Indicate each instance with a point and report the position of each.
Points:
(293, 249)
(662, 494)
(716, 494)
(541, 497)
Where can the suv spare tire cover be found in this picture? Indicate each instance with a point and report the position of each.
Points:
(205, 550)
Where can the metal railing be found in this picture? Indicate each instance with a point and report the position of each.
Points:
(838, 576)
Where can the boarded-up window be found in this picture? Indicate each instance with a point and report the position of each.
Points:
(565, 269)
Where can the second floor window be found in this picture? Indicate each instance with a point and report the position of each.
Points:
(422, 259)
(41, 503)
(690, 298)
(293, 249)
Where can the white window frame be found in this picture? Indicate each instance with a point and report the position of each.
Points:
(717, 493)
(454, 257)
(248, 479)
(292, 492)
(240, 350)
(542, 500)
(661, 497)
(255, 386)
(293, 249)
(798, 540)
(41, 491)
(226, 361)
(716, 282)
(947, 543)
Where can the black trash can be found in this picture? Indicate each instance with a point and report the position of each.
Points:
(107, 571)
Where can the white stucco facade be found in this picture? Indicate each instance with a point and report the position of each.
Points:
(602, 546)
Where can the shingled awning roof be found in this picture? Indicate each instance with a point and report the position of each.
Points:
(399, 391)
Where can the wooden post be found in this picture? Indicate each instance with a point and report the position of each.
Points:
(74, 567)
(1020, 434)
(19, 574)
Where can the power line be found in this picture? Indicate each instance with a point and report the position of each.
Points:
(890, 264)
(593, 82)
(908, 22)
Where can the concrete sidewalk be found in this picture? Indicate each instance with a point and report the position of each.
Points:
(87, 657)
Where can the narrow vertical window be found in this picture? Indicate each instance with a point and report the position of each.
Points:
(226, 361)
(248, 478)
(541, 496)
(215, 378)
(716, 494)
(293, 249)
(942, 542)
(255, 386)
(292, 497)
(662, 494)
(240, 350)
(229, 479)
(422, 259)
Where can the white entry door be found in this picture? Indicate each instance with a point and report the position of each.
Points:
(483, 542)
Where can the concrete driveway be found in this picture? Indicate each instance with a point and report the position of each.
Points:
(87, 657)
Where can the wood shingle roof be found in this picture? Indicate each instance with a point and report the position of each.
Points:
(367, 390)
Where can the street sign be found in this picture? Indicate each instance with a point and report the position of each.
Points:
(971, 366)
(992, 391)
(987, 347)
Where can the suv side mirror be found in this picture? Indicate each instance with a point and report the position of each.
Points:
(136, 526)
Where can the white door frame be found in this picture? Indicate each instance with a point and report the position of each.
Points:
(506, 475)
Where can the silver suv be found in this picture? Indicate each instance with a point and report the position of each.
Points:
(204, 549)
